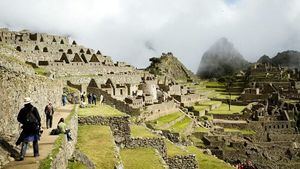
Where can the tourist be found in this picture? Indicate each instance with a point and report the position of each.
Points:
(101, 99)
(30, 119)
(49, 111)
(94, 99)
(82, 97)
(64, 99)
(90, 97)
(249, 165)
(62, 128)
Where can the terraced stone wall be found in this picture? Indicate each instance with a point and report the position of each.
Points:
(14, 88)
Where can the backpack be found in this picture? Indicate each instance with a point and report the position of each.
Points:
(30, 117)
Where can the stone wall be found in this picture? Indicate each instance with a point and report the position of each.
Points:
(14, 88)
(120, 105)
(179, 161)
(157, 110)
(121, 131)
(60, 161)
(119, 126)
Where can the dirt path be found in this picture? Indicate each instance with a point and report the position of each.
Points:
(45, 144)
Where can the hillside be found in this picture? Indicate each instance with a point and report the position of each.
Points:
(221, 59)
(168, 65)
(287, 58)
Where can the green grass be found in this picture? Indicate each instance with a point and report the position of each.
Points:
(141, 131)
(181, 125)
(208, 161)
(97, 143)
(200, 108)
(223, 109)
(138, 158)
(76, 165)
(173, 149)
(244, 131)
(100, 110)
(209, 103)
(201, 129)
(158, 123)
(40, 71)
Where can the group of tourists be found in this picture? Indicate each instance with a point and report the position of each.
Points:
(30, 120)
(92, 98)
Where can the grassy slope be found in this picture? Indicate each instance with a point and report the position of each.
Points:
(223, 109)
(97, 143)
(141, 131)
(158, 123)
(181, 125)
(207, 161)
(138, 158)
(99, 110)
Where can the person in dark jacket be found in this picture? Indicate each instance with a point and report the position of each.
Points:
(49, 111)
(31, 122)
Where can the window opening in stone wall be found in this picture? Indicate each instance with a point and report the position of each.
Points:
(45, 49)
(69, 51)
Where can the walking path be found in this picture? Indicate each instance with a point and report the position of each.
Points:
(45, 144)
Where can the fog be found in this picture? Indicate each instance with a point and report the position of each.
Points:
(135, 30)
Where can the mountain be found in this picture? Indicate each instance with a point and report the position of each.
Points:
(221, 59)
(168, 65)
(288, 58)
(265, 60)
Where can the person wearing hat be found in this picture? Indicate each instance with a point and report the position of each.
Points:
(31, 122)
(49, 111)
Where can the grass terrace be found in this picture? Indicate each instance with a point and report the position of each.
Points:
(98, 144)
(141, 131)
(223, 109)
(181, 125)
(138, 158)
(207, 161)
(244, 132)
(201, 129)
(99, 110)
(173, 149)
(158, 123)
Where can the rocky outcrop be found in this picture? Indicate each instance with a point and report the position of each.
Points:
(168, 65)
(221, 59)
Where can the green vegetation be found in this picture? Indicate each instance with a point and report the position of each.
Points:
(76, 165)
(141, 131)
(201, 129)
(173, 149)
(100, 110)
(244, 132)
(158, 123)
(181, 125)
(40, 71)
(137, 158)
(223, 109)
(208, 161)
(46, 163)
(97, 143)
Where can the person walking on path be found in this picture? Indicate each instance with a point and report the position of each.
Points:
(31, 122)
(64, 99)
(94, 99)
(82, 97)
(90, 98)
(101, 99)
(49, 111)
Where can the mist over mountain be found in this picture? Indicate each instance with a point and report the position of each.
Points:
(221, 59)
(289, 58)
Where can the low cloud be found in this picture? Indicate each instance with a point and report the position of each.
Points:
(133, 30)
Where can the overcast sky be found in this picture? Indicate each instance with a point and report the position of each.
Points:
(135, 30)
